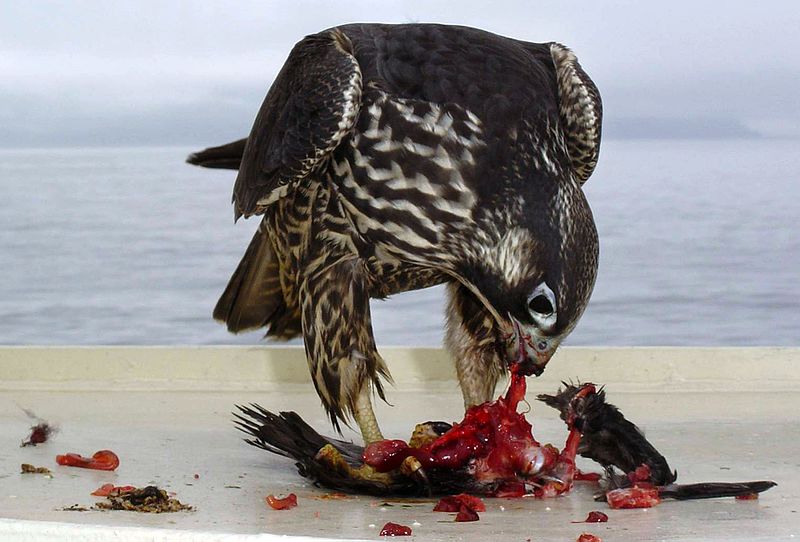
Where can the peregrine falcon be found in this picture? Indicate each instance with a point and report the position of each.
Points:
(388, 158)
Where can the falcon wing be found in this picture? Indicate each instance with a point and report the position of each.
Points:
(581, 111)
(310, 108)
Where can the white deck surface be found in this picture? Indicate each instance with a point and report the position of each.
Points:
(179, 428)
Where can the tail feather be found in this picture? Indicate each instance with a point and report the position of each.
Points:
(287, 434)
(253, 295)
(712, 490)
(228, 156)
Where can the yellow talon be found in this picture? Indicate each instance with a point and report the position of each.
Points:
(330, 455)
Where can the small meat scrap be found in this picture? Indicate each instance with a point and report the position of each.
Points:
(40, 433)
(102, 460)
(455, 502)
(289, 501)
(581, 476)
(633, 497)
(588, 537)
(747, 497)
(467, 506)
(595, 516)
(27, 468)
(110, 489)
(641, 476)
(150, 499)
(467, 514)
(395, 529)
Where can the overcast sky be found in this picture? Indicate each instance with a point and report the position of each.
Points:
(158, 72)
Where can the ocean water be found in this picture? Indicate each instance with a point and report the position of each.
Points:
(699, 246)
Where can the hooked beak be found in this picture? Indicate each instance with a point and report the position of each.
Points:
(529, 349)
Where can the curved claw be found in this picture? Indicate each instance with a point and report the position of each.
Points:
(421, 478)
(412, 468)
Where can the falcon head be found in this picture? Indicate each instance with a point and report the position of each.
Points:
(535, 269)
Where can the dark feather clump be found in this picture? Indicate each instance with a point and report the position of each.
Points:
(614, 442)
(607, 437)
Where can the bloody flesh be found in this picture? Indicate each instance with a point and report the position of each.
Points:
(581, 476)
(641, 476)
(39, 434)
(467, 514)
(588, 537)
(289, 501)
(633, 497)
(102, 460)
(395, 529)
(455, 502)
(595, 516)
(496, 443)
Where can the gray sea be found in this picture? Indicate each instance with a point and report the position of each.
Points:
(699, 246)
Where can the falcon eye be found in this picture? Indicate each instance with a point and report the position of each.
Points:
(541, 304)
(542, 307)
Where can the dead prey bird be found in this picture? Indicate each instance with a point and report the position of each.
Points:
(616, 443)
(491, 452)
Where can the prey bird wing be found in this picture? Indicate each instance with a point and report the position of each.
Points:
(310, 108)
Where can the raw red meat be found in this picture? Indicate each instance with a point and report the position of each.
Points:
(39, 434)
(594, 516)
(748, 497)
(289, 501)
(589, 537)
(641, 476)
(633, 497)
(497, 443)
(455, 502)
(102, 460)
(467, 514)
(395, 529)
(581, 476)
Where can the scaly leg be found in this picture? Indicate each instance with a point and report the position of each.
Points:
(365, 417)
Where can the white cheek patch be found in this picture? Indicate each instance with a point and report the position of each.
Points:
(508, 254)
